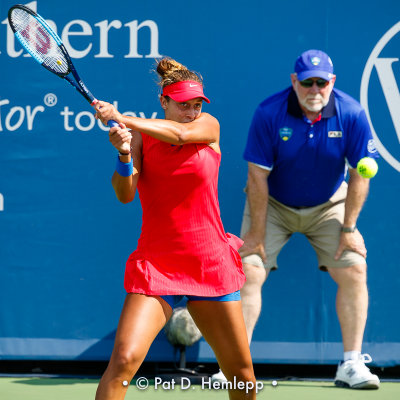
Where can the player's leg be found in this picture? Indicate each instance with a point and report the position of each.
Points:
(222, 325)
(141, 320)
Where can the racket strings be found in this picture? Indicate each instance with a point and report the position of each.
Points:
(38, 41)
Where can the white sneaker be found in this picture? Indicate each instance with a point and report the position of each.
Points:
(218, 377)
(354, 374)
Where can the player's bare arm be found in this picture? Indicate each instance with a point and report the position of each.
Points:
(203, 129)
(125, 187)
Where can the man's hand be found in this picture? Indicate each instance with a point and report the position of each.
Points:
(351, 241)
(253, 245)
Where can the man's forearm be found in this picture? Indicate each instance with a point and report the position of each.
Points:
(257, 197)
(356, 195)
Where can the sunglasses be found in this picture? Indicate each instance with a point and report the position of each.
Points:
(307, 83)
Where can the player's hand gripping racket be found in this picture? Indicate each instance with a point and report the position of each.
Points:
(44, 45)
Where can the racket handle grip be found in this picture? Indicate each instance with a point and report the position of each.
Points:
(111, 123)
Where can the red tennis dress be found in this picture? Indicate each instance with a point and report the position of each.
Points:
(183, 248)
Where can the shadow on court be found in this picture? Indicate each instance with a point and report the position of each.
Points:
(46, 381)
(292, 384)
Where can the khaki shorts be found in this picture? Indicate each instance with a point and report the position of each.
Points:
(320, 224)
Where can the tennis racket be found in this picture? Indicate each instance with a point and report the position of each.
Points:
(44, 45)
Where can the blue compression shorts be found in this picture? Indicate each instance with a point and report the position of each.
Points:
(173, 300)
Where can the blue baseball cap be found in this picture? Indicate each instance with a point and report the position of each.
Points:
(314, 64)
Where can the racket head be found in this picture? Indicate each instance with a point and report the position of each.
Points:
(39, 40)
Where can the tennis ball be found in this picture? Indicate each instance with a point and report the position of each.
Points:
(59, 62)
(367, 167)
(274, 383)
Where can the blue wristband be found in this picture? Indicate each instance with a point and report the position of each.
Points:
(124, 169)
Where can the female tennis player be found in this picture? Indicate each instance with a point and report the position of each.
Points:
(183, 249)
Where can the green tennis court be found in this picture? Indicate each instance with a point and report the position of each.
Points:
(23, 388)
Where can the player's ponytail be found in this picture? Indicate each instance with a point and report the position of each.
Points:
(171, 71)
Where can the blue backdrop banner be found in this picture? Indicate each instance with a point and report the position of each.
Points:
(64, 237)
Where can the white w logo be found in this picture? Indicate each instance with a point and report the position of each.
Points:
(390, 90)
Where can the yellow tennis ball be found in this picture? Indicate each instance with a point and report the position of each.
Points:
(59, 62)
(367, 167)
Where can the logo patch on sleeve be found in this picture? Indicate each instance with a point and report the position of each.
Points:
(285, 133)
(335, 134)
(371, 146)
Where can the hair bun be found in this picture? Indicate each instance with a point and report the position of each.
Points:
(171, 71)
(167, 66)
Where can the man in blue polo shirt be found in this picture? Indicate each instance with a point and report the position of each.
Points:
(301, 144)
